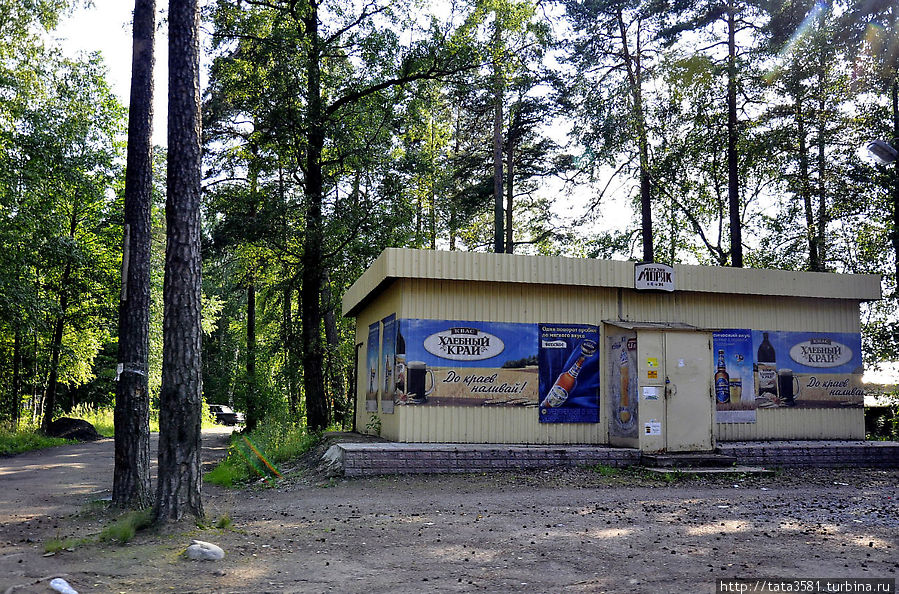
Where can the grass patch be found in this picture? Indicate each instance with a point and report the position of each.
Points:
(120, 531)
(224, 523)
(124, 529)
(103, 419)
(25, 440)
(605, 470)
(56, 545)
(259, 453)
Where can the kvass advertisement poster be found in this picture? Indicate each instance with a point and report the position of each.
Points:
(389, 364)
(568, 360)
(464, 363)
(373, 349)
(778, 369)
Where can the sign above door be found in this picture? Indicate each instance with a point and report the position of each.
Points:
(653, 277)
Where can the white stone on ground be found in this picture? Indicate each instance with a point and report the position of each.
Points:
(204, 551)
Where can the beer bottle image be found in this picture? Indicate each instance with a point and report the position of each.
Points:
(625, 372)
(566, 381)
(722, 380)
(767, 366)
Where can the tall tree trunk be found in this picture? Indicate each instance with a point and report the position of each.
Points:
(453, 217)
(332, 337)
(15, 399)
(635, 82)
(180, 481)
(805, 192)
(253, 412)
(894, 91)
(317, 414)
(432, 219)
(131, 480)
(287, 333)
(497, 141)
(49, 405)
(733, 172)
(821, 224)
(510, 189)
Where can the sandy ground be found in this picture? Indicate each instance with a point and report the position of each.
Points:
(547, 531)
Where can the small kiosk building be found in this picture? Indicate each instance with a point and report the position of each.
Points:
(499, 348)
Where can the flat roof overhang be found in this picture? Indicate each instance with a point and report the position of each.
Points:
(396, 263)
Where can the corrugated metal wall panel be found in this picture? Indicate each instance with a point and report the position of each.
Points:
(489, 425)
(535, 303)
(823, 423)
(705, 310)
(390, 302)
(495, 302)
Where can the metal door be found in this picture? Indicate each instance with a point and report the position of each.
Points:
(689, 406)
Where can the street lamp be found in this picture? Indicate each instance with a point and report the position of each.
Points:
(882, 152)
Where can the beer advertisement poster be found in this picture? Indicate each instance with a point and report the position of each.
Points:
(732, 358)
(622, 386)
(468, 363)
(388, 356)
(808, 369)
(373, 350)
(569, 373)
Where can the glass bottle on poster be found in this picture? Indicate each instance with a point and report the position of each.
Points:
(722, 380)
(566, 381)
(767, 367)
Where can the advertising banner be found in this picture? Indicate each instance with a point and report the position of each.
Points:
(732, 355)
(373, 349)
(789, 370)
(812, 369)
(388, 355)
(568, 359)
(622, 377)
(465, 363)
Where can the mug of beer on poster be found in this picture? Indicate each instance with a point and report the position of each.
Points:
(788, 386)
(417, 373)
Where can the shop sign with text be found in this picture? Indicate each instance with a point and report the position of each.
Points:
(654, 277)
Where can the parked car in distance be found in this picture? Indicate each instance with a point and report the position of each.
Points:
(226, 415)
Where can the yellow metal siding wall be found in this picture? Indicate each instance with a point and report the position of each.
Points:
(711, 311)
(535, 303)
(499, 302)
(787, 423)
(796, 314)
(491, 425)
(389, 302)
(556, 271)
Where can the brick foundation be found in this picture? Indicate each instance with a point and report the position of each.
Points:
(370, 459)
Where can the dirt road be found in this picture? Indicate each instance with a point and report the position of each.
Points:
(555, 531)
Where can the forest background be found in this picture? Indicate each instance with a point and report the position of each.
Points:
(709, 117)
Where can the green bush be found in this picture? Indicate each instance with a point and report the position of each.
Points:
(124, 528)
(258, 453)
(25, 440)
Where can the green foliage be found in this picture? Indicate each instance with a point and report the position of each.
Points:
(24, 440)
(120, 531)
(60, 166)
(126, 526)
(258, 453)
(224, 522)
(55, 545)
(373, 426)
(605, 470)
(406, 113)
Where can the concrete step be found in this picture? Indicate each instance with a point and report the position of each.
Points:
(712, 470)
(688, 460)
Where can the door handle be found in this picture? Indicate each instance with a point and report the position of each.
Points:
(670, 389)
